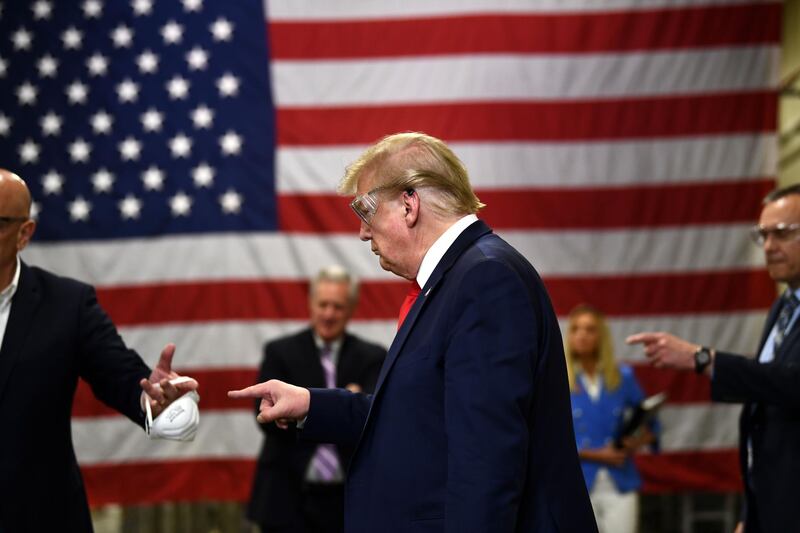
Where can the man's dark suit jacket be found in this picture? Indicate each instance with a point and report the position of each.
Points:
(771, 420)
(56, 333)
(470, 427)
(283, 460)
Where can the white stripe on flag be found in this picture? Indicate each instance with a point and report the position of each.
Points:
(317, 10)
(523, 77)
(513, 165)
(297, 257)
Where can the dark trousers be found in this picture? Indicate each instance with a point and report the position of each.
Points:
(321, 510)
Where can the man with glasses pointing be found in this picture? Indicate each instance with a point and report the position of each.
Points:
(469, 428)
(768, 385)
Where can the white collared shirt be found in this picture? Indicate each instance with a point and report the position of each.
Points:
(440, 247)
(6, 296)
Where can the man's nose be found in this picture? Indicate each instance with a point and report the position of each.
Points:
(364, 232)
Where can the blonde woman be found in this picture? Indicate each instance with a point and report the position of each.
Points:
(601, 390)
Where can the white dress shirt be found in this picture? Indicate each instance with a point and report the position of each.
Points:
(5, 301)
(440, 247)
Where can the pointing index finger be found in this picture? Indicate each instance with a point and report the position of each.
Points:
(641, 338)
(253, 391)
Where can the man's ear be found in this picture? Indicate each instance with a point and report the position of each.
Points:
(411, 205)
(25, 233)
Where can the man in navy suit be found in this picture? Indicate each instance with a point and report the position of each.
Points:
(52, 332)
(469, 428)
(768, 385)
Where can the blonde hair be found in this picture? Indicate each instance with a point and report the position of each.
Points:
(606, 365)
(416, 161)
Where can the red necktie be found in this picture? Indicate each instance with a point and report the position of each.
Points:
(411, 297)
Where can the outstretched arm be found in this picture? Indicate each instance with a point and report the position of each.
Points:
(665, 350)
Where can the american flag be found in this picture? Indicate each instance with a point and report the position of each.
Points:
(183, 156)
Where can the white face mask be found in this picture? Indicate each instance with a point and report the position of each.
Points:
(178, 421)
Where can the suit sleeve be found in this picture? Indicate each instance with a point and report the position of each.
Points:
(112, 370)
(488, 393)
(739, 379)
(336, 415)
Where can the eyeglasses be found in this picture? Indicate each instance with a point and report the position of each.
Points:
(781, 232)
(5, 221)
(365, 205)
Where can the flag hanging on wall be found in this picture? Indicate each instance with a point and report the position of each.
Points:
(183, 157)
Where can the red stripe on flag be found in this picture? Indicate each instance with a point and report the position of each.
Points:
(713, 470)
(146, 482)
(606, 119)
(214, 387)
(681, 387)
(230, 480)
(664, 294)
(657, 29)
(559, 209)
(650, 294)
(235, 300)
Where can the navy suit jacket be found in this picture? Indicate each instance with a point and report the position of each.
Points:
(283, 461)
(469, 428)
(770, 419)
(56, 333)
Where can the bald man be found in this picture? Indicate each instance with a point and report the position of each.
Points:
(52, 332)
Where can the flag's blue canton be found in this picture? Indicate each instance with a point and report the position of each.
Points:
(138, 118)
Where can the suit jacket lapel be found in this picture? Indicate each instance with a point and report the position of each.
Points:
(771, 318)
(345, 372)
(20, 320)
(465, 240)
(308, 360)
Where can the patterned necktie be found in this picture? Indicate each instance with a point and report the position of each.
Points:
(790, 304)
(411, 297)
(325, 462)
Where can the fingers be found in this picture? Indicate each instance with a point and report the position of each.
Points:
(645, 337)
(254, 391)
(153, 390)
(165, 361)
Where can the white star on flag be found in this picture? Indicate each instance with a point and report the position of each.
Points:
(231, 143)
(72, 38)
(79, 209)
(101, 122)
(102, 181)
(130, 207)
(52, 182)
(151, 120)
(153, 179)
(181, 204)
(231, 202)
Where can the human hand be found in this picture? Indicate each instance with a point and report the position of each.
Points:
(611, 455)
(157, 389)
(641, 438)
(666, 350)
(280, 402)
(739, 528)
